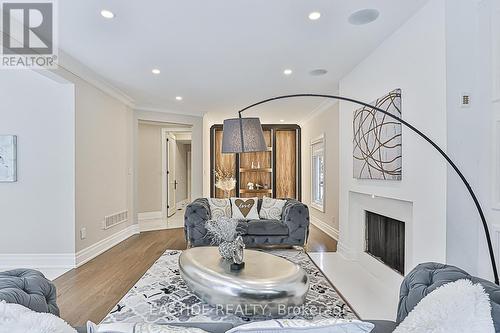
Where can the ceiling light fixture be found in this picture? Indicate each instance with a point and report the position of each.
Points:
(107, 14)
(287, 71)
(363, 16)
(314, 16)
(179, 98)
(155, 71)
(318, 72)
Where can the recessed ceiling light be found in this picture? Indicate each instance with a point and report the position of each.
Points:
(107, 14)
(179, 98)
(363, 16)
(155, 71)
(282, 120)
(314, 16)
(318, 72)
(287, 71)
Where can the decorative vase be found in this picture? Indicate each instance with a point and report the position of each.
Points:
(232, 251)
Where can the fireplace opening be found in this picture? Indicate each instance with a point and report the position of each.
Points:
(385, 240)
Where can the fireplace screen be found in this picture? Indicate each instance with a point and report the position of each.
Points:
(385, 240)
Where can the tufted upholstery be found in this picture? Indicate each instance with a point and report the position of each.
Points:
(292, 230)
(426, 277)
(29, 288)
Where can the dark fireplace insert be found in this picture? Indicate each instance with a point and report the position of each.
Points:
(385, 240)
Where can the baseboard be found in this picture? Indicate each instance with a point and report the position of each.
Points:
(326, 228)
(150, 221)
(105, 244)
(152, 225)
(51, 265)
(149, 216)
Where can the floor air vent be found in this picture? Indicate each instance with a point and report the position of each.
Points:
(112, 220)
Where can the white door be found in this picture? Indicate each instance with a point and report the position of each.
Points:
(171, 180)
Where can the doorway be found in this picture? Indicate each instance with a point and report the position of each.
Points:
(163, 174)
(177, 175)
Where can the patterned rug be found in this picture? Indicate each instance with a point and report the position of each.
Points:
(162, 297)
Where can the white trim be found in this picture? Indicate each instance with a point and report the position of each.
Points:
(321, 140)
(149, 216)
(105, 244)
(51, 265)
(495, 191)
(74, 67)
(345, 250)
(150, 221)
(325, 227)
(323, 106)
(162, 110)
(495, 228)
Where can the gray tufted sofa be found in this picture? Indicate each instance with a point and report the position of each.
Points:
(425, 278)
(30, 289)
(293, 229)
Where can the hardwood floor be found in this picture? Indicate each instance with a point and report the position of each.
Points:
(90, 291)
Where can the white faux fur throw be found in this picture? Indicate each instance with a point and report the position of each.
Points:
(15, 318)
(456, 307)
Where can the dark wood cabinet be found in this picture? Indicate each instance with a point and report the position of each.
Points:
(274, 173)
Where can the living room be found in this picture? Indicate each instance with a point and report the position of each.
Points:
(365, 168)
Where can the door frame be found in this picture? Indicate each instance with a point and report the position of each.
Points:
(165, 132)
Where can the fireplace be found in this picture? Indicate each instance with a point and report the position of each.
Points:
(385, 240)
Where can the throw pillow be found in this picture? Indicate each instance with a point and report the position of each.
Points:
(271, 208)
(245, 208)
(219, 208)
(303, 326)
(15, 318)
(458, 307)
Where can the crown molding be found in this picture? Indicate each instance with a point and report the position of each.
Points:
(170, 111)
(323, 106)
(72, 66)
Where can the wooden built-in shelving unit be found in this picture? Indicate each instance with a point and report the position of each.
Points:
(277, 170)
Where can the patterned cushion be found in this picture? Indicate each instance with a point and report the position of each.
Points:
(220, 208)
(245, 208)
(271, 208)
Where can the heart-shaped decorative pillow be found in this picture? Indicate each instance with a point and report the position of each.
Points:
(244, 208)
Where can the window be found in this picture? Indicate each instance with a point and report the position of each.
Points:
(318, 173)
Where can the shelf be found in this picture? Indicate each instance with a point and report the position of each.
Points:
(243, 190)
(256, 170)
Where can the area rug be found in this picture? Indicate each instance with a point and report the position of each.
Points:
(162, 297)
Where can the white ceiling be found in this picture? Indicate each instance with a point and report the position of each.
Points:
(221, 55)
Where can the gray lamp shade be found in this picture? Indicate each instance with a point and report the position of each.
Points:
(243, 139)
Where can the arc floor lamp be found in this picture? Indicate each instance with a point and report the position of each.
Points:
(243, 135)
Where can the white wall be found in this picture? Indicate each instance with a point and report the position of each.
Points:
(103, 162)
(149, 168)
(471, 140)
(196, 124)
(413, 59)
(38, 211)
(325, 121)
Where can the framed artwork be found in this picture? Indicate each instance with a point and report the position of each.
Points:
(377, 140)
(8, 163)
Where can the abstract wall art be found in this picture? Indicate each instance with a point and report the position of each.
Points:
(377, 140)
(8, 146)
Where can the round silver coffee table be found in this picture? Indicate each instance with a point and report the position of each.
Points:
(268, 285)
